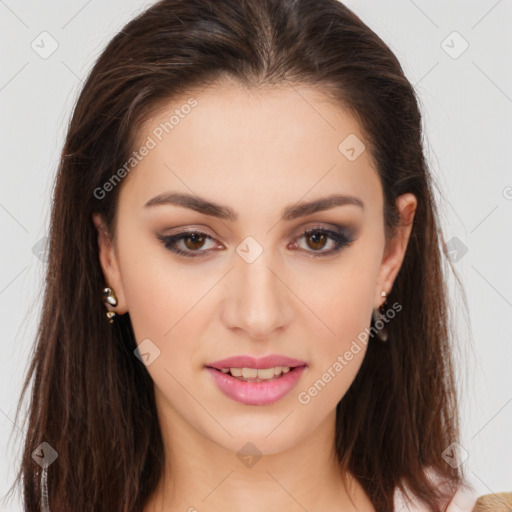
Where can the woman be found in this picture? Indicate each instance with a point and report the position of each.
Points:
(245, 303)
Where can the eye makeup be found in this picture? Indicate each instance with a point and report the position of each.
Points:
(190, 243)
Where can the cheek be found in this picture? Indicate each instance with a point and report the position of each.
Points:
(338, 348)
(345, 312)
(163, 308)
(338, 300)
(160, 297)
(338, 331)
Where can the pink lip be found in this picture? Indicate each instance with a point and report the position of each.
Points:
(250, 362)
(256, 393)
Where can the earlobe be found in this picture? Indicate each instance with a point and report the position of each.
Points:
(109, 263)
(395, 252)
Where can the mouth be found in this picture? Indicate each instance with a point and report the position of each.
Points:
(252, 381)
(246, 374)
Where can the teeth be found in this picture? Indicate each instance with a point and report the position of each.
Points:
(266, 373)
(249, 373)
(255, 373)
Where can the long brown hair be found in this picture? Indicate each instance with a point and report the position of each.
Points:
(91, 399)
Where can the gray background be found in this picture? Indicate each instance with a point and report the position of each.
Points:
(466, 99)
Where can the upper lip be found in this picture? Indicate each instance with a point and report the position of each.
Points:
(250, 362)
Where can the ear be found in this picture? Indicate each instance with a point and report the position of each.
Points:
(395, 252)
(109, 263)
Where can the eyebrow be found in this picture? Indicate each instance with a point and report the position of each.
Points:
(290, 212)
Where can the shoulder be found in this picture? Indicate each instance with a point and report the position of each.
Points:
(463, 500)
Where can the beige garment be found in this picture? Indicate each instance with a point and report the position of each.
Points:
(499, 502)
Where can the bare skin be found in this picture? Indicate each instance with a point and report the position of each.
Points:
(256, 152)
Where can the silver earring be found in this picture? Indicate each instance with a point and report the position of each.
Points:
(110, 299)
(377, 314)
(44, 491)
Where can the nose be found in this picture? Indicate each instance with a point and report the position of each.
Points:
(258, 301)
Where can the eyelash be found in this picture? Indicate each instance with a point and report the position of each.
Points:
(341, 240)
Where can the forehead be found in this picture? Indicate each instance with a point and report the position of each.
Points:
(230, 141)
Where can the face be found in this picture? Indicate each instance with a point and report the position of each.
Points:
(247, 265)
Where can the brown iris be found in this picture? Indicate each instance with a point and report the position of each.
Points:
(319, 240)
(194, 241)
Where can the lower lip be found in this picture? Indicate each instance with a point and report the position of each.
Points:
(256, 393)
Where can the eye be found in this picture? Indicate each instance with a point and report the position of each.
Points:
(318, 238)
(191, 240)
